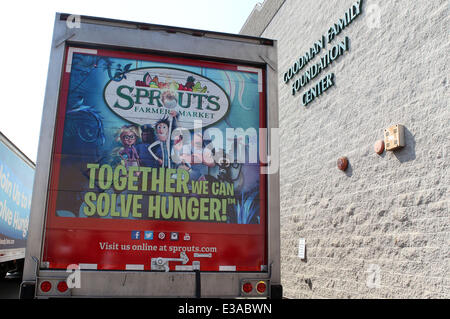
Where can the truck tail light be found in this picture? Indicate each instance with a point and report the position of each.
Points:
(62, 286)
(247, 287)
(261, 287)
(46, 286)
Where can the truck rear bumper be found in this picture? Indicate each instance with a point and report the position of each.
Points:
(154, 284)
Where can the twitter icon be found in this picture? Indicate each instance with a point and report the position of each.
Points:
(148, 235)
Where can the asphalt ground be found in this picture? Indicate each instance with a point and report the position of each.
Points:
(9, 288)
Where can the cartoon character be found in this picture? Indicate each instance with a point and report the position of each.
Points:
(147, 137)
(128, 136)
(196, 158)
(160, 149)
(225, 170)
(169, 99)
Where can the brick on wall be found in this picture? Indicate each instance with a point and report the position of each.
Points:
(391, 211)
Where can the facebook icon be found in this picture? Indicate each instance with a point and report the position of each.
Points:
(135, 234)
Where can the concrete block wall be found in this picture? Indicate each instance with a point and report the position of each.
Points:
(381, 229)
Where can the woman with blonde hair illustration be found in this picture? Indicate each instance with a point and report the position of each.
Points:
(128, 136)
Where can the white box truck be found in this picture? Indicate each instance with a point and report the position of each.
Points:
(154, 178)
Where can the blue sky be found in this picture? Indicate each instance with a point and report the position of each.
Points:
(26, 29)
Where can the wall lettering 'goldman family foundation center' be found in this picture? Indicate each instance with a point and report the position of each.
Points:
(364, 146)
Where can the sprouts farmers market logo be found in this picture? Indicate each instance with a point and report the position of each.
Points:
(145, 95)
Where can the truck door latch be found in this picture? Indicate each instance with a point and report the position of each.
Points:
(161, 263)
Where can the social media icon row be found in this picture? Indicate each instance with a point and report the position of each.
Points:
(148, 235)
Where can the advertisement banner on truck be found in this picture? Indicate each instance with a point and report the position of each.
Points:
(16, 185)
(156, 165)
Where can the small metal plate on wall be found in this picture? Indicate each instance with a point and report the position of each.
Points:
(394, 137)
